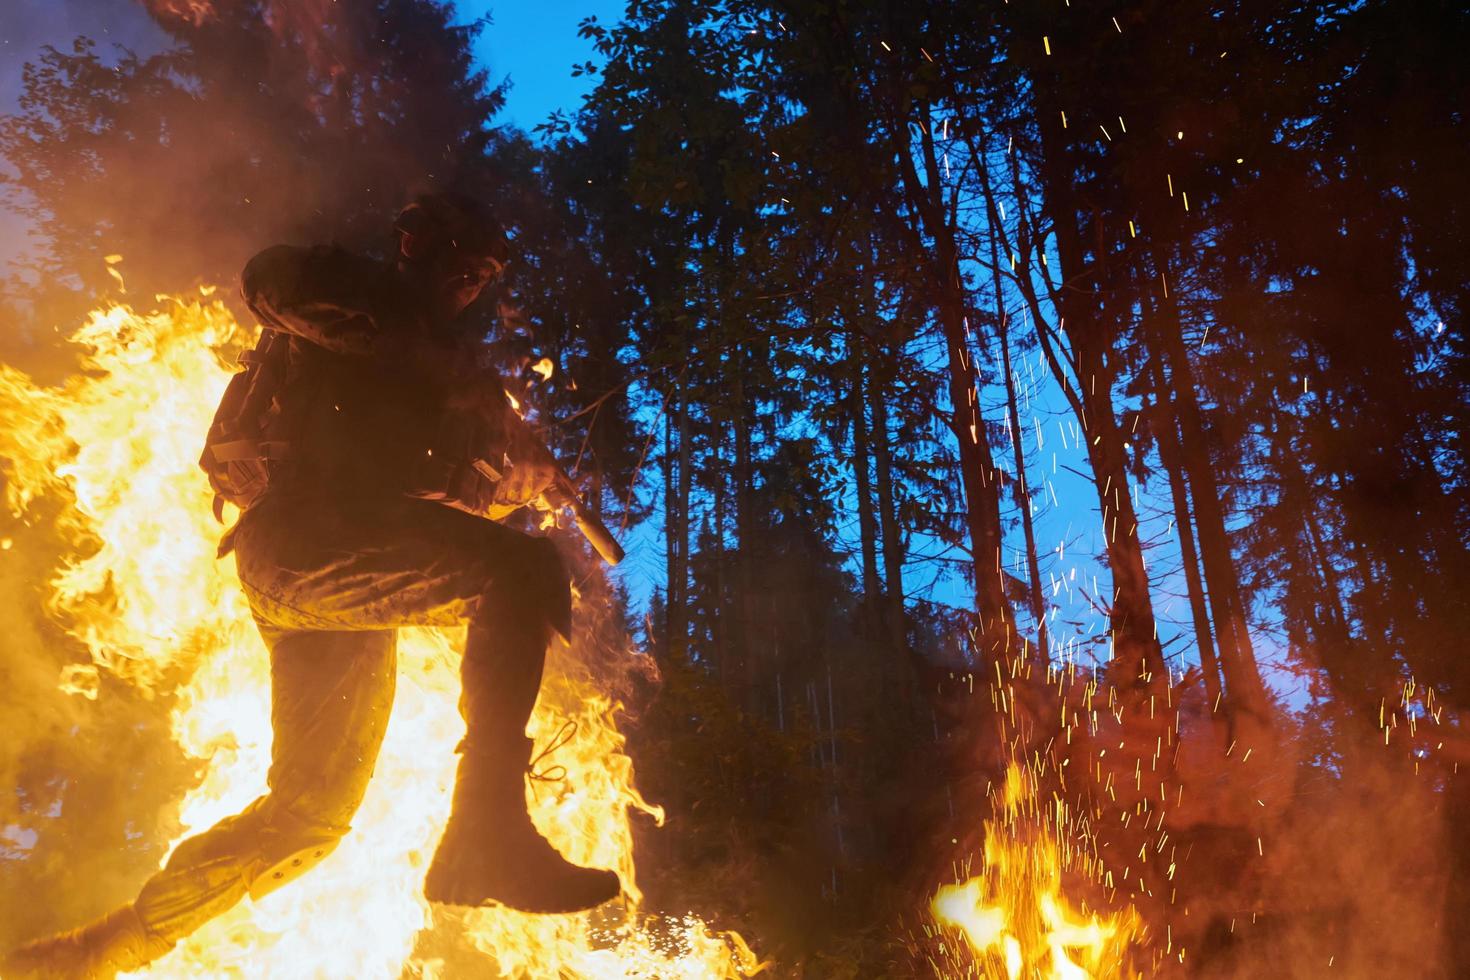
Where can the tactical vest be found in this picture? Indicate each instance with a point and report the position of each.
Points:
(452, 459)
(237, 457)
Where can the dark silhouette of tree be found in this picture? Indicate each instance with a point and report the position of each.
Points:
(800, 284)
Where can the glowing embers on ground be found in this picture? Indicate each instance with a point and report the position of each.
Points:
(1014, 920)
(115, 448)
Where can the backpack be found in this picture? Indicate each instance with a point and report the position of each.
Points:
(238, 457)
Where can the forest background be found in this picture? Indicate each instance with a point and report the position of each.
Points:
(901, 340)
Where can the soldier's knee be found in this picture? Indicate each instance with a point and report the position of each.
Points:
(536, 588)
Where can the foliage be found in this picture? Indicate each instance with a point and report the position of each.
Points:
(814, 277)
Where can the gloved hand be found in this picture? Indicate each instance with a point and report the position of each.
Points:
(533, 478)
(524, 483)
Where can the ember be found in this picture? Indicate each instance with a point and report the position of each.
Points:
(975, 490)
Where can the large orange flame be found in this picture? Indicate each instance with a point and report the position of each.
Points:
(1013, 919)
(116, 444)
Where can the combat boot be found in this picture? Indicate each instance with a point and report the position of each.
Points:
(116, 943)
(491, 852)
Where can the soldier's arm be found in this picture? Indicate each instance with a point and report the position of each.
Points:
(322, 294)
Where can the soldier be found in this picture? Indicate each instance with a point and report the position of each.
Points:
(360, 415)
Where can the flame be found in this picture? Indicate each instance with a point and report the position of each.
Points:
(116, 446)
(1014, 918)
(194, 12)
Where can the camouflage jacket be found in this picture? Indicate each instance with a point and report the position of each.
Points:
(374, 398)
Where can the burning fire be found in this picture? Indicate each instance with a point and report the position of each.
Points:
(116, 446)
(1012, 920)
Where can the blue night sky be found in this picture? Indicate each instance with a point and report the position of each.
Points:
(535, 43)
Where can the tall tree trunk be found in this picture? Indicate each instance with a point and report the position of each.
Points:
(1330, 584)
(895, 617)
(978, 476)
(743, 633)
(1134, 631)
(1134, 628)
(679, 519)
(673, 610)
(862, 470)
(1033, 562)
(719, 610)
(1166, 431)
(1243, 686)
(1333, 630)
(728, 621)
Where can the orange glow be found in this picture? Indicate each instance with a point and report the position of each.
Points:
(1013, 919)
(116, 446)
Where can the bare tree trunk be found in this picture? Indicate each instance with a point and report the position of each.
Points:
(742, 634)
(678, 526)
(1243, 686)
(671, 537)
(862, 470)
(719, 612)
(1033, 565)
(1331, 584)
(893, 547)
(1167, 434)
(1353, 693)
(1134, 631)
(978, 476)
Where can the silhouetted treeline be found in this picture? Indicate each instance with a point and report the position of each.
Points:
(818, 279)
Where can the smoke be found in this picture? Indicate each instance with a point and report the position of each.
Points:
(234, 126)
(283, 122)
(325, 29)
(28, 26)
(1329, 859)
(1291, 846)
(1354, 884)
(89, 783)
(192, 13)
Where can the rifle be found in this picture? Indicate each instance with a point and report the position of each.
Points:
(592, 528)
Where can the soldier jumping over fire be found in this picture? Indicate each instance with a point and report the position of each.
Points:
(365, 443)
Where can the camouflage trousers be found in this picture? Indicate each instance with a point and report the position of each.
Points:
(329, 584)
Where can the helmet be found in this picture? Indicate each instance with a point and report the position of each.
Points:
(446, 220)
